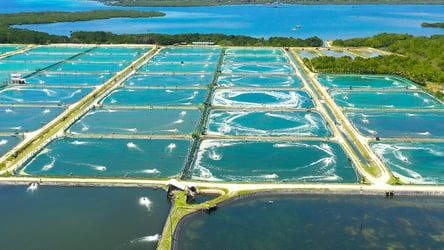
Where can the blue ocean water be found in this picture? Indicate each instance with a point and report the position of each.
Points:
(325, 21)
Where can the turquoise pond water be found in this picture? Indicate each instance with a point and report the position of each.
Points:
(191, 50)
(60, 79)
(37, 57)
(213, 58)
(38, 95)
(121, 50)
(364, 81)
(272, 161)
(399, 124)
(60, 49)
(237, 68)
(262, 98)
(420, 162)
(259, 81)
(117, 58)
(23, 66)
(262, 123)
(169, 80)
(7, 143)
(254, 58)
(319, 222)
(178, 67)
(159, 97)
(5, 49)
(82, 217)
(118, 158)
(102, 67)
(253, 51)
(137, 121)
(383, 99)
(25, 119)
(308, 54)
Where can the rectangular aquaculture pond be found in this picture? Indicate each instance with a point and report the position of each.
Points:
(309, 221)
(60, 79)
(399, 124)
(418, 162)
(272, 161)
(86, 67)
(263, 123)
(237, 68)
(26, 119)
(57, 49)
(82, 217)
(191, 50)
(169, 80)
(154, 158)
(119, 58)
(40, 95)
(385, 99)
(262, 98)
(308, 54)
(336, 53)
(23, 66)
(137, 121)
(259, 81)
(364, 81)
(253, 51)
(37, 57)
(120, 50)
(155, 67)
(5, 49)
(156, 97)
(254, 58)
(213, 58)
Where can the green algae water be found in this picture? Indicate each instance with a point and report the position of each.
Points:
(399, 124)
(318, 222)
(154, 158)
(421, 163)
(263, 123)
(137, 121)
(385, 99)
(364, 81)
(46, 217)
(272, 161)
(156, 97)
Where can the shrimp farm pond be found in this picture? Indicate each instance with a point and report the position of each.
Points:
(105, 129)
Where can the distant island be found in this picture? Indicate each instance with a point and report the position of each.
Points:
(184, 3)
(432, 25)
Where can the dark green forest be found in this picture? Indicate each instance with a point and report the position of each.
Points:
(418, 58)
(432, 25)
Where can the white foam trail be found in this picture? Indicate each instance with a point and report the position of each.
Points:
(46, 111)
(131, 129)
(85, 127)
(270, 176)
(178, 121)
(183, 113)
(33, 187)
(151, 171)
(9, 111)
(144, 201)
(99, 168)
(3, 142)
(50, 165)
(171, 147)
(78, 143)
(424, 133)
(169, 91)
(132, 145)
(150, 238)
(113, 101)
(49, 92)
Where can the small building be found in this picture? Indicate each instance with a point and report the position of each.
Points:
(17, 79)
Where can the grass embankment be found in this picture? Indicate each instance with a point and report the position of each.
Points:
(64, 120)
(432, 25)
(166, 3)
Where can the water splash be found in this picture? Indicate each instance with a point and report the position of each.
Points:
(150, 238)
(3, 142)
(151, 171)
(171, 146)
(132, 145)
(178, 121)
(46, 111)
(78, 143)
(32, 188)
(99, 168)
(144, 201)
(50, 165)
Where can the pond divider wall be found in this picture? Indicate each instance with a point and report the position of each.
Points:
(201, 126)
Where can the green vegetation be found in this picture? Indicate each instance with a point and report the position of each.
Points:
(432, 25)
(420, 59)
(15, 35)
(220, 39)
(274, 3)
